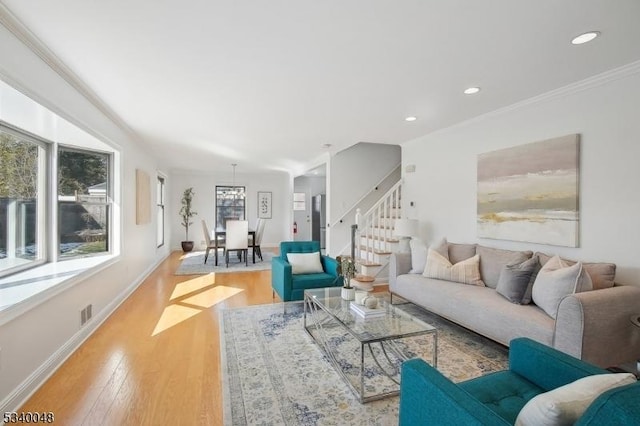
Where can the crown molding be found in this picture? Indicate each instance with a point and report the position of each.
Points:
(579, 86)
(33, 43)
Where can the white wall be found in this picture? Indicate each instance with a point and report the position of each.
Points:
(204, 186)
(35, 342)
(355, 171)
(605, 111)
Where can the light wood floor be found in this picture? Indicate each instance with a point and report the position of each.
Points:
(156, 360)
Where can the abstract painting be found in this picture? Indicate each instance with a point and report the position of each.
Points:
(530, 192)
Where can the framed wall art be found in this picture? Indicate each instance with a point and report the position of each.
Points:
(264, 205)
(143, 197)
(530, 192)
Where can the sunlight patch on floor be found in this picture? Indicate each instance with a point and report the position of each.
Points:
(195, 284)
(197, 300)
(173, 315)
(211, 297)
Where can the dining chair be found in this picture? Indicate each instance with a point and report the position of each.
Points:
(207, 238)
(237, 231)
(260, 223)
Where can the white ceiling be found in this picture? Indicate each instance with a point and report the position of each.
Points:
(266, 83)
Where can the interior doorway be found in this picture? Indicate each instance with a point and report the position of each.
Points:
(310, 205)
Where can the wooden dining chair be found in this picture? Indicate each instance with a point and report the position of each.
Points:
(237, 231)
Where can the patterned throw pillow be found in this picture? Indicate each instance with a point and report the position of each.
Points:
(466, 272)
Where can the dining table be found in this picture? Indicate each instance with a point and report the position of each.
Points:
(221, 233)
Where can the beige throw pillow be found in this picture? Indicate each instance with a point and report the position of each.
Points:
(305, 263)
(566, 404)
(555, 281)
(466, 272)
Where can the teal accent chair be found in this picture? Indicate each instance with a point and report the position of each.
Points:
(429, 398)
(291, 287)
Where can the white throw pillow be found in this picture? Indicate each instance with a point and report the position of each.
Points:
(566, 404)
(418, 256)
(305, 263)
(466, 272)
(555, 281)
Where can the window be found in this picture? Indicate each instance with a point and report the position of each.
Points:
(230, 204)
(22, 194)
(84, 203)
(160, 211)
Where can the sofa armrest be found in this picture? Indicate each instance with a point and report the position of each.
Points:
(399, 264)
(281, 280)
(548, 368)
(594, 325)
(330, 265)
(429, 398)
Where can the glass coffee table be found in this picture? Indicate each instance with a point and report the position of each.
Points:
(367, 353)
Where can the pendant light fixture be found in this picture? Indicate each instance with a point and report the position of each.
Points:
(233, 186)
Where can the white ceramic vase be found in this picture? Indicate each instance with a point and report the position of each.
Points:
(348, 293)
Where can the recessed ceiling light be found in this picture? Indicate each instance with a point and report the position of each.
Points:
(585, 38)
(471, 90)
(411, 118)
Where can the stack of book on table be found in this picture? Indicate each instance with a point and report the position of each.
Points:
(364, 312)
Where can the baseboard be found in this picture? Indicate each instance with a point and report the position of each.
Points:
(31, 384)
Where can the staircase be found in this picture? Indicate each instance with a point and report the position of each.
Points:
(375, 236)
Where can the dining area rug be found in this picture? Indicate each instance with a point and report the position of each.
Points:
(275, 374)
(193, 263)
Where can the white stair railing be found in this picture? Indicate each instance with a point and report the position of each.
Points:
(376, 225)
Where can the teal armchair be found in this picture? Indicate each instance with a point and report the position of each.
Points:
(291, 287)
(429, 398)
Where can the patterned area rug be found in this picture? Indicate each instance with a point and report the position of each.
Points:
(275, 374)
(193, 264)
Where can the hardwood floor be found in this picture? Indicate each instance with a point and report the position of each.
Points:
(156, 360)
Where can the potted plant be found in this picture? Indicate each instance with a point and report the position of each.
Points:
(186, 213)
(347, 270)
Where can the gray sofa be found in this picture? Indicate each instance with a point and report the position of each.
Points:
(594, 325)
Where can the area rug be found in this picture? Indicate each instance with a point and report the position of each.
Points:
(193, 264)
(275, 374)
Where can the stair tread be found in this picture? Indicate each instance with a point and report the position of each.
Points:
(367, 263)
(364, 278)
(375, 237)
(375, 251)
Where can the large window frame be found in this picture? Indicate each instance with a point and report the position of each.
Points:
(47, 232)
(160, 210)
(231, 203)
(17, 208)
(90, 204)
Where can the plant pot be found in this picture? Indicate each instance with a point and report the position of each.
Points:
(187, 246)
(348, 293)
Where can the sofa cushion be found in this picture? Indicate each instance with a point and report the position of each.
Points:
(466, 272)
(481, 309)
(503, 392)
(565, 405)
(442, 247)
(602, 274)
(555, 281)
(492, 260)
(460, 252)
(305, 281)
(305, 263)
(418, 256)
(514, 280)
